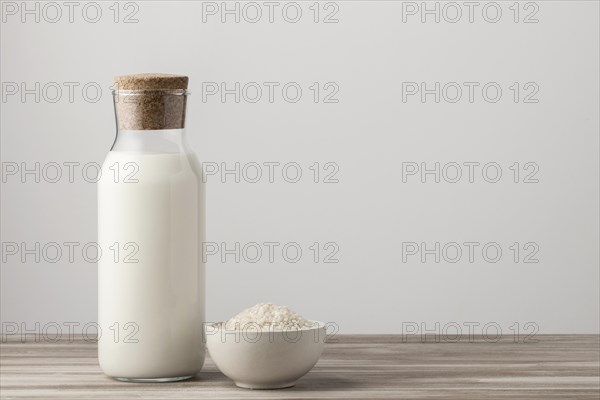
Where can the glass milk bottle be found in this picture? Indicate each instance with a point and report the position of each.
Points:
(150, 231)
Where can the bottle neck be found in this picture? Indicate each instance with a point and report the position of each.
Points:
(151, 141)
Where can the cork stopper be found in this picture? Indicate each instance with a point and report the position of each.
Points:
(150, 101)
(151, 82)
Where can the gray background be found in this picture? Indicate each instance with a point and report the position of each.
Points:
(368, 133)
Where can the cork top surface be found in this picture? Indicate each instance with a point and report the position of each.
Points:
(151, 81)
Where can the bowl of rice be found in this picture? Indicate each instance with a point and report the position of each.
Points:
(265, 346)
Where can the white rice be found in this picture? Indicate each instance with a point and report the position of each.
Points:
(268, 316)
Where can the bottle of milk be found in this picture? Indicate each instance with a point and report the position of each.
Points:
(150, 232)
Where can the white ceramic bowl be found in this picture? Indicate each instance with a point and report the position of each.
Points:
(265, 359)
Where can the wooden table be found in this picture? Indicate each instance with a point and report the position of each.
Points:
(352, 366)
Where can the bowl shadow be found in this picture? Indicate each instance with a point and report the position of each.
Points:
(313, 381)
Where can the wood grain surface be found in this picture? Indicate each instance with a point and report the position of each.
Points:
(352, 367)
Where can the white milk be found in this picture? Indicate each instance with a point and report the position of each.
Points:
(158, 301)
